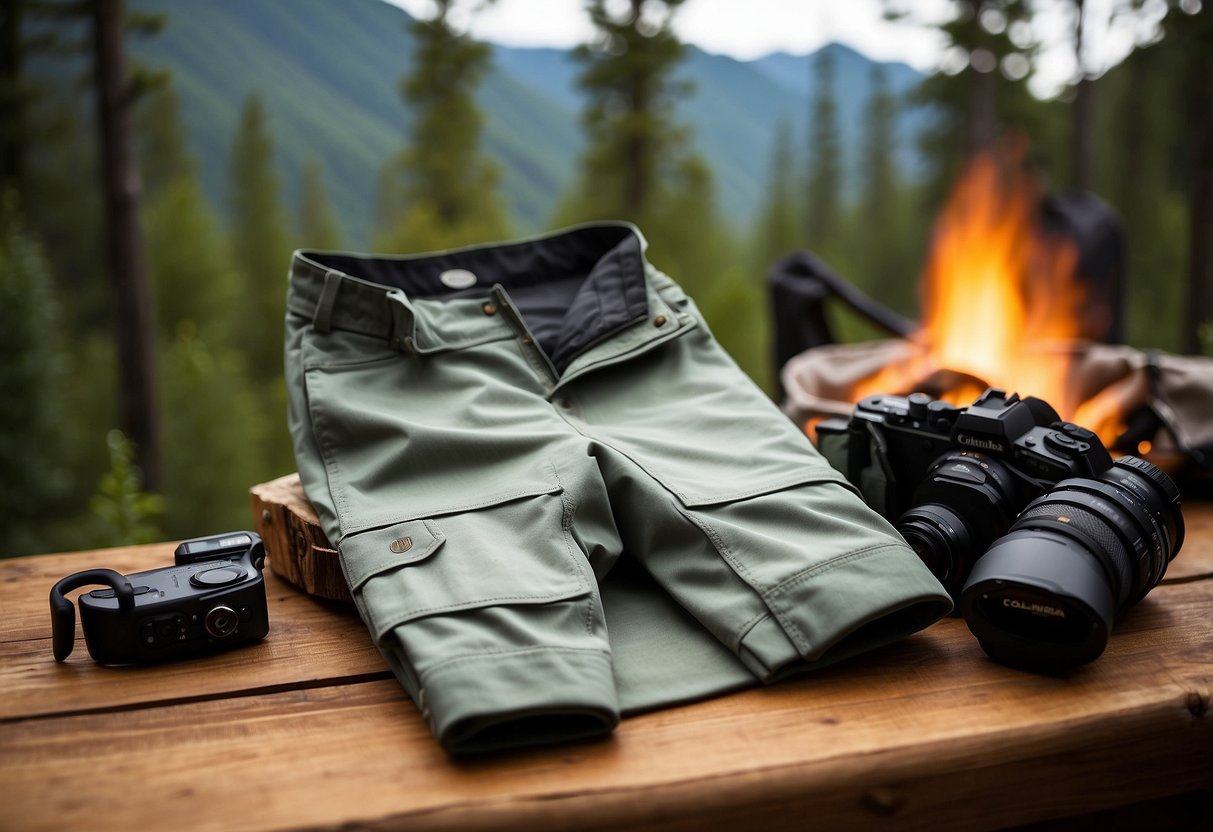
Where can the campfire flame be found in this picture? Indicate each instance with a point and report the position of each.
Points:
(1002, 303)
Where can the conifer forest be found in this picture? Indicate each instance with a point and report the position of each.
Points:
(148, 210)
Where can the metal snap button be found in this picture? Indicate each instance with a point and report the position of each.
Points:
(490, 308)
(660, 320)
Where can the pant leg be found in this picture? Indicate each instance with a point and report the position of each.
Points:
(738, 518)
(450, 488)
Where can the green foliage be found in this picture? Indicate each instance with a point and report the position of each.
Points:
(33, 476)
(1145, 175)
(318, 228)
(633, 143)
(824, 191)
(214, 426)
(191, 272)
(122, 513)
(442, 191)
(779, 230)
(885, 239)
(984, 89)
(163, 143)
(260, 243)
(638, 166)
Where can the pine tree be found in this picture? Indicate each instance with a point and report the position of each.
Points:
(15, 94)
(191, 270)
(259, 241)
(633, 143)
(33, 474)
(215, 429)
(883, 251)
(317, 225)
(127, 266)
(442, 191)
(164, 153)
(638, 165)
(985, 90)
(824, 192)
(780, 230)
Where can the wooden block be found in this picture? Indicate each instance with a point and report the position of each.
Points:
(297, 549)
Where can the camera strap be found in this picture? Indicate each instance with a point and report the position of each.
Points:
(63, 611)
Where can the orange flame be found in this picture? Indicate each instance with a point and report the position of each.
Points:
(1002, 305)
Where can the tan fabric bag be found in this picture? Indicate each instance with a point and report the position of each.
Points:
(1167, 399)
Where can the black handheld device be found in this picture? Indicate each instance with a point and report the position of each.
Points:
(212, 598)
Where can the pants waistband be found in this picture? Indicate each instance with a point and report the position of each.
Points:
(383, 296)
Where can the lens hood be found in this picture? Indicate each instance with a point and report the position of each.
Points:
(1036, 600)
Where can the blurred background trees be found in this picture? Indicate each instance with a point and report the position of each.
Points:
(228, 169)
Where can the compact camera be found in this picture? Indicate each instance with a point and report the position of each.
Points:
(1039, 536)
(212, 599)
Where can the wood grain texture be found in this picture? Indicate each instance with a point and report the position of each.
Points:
(926, 734)
(300, 553)
(308, 731)
(309, 641)
(297, 548)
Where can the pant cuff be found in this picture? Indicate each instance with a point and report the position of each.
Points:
(841, 608)
(521, 697)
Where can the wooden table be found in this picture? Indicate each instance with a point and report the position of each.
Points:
(308, 730)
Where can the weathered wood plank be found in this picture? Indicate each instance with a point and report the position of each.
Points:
(925, 734)
(309, 641)
(300, 553)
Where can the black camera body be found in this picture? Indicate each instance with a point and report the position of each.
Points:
(1036, 533)
(890, 443)
(212, 599)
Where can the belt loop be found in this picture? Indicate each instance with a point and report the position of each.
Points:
(402, 322)
(322, 320)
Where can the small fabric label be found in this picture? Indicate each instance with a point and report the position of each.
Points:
(457, 279)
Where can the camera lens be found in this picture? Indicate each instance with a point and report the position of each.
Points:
(1045, 594)
(966, 500)
(221, 621)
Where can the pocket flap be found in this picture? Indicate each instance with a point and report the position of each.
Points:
(366, 554)
(733, 493)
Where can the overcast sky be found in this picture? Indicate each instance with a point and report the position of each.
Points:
(747, 29)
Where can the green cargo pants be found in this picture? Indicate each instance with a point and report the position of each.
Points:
(557, 499)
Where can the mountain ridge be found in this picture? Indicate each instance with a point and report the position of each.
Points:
(330, 75)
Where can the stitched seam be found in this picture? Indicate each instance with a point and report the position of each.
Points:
(788, 624)
(497, 499)
(322, 432)
(588, 652)
(568, 508)
(821, 568)
(581, 365)
(382, 627)
(778, 485)
(744, 629)
(725, 552)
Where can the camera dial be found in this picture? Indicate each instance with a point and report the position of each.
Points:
(219, 576)
(221, 621)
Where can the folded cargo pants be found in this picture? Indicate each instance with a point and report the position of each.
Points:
(556, 498)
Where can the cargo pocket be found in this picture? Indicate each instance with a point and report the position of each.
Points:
(486, 613)
(834, 577)
(505, 549)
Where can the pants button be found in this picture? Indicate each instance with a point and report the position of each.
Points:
(660, 320)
